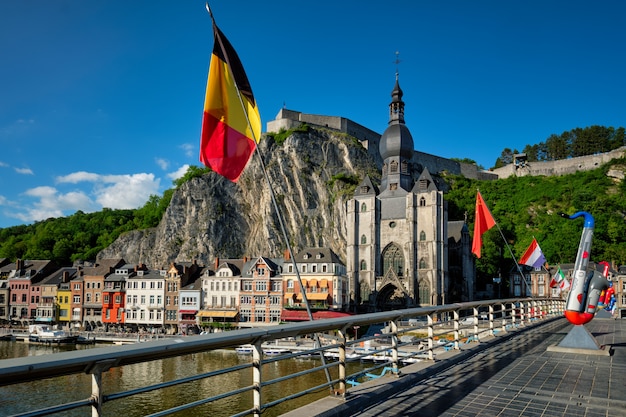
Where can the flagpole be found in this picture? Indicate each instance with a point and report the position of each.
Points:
(508, 247)
(278, 212)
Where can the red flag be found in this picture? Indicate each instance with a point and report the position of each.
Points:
(227, 141)
(483, 221)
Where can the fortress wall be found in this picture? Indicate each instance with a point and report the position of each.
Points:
(288, 119)
(562, 166)
(436, 164)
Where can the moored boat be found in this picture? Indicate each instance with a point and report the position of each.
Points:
(244, 349)
(42, 333)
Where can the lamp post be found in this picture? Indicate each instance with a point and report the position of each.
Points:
(356, 332)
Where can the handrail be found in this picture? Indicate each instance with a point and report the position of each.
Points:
(502, 315)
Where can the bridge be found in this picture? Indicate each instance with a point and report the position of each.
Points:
(480, 358)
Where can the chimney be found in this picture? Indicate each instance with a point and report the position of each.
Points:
(66, 276)
(286, 255)
(18, 265)
(217, 262)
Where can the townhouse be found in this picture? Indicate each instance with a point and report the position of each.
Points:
(220, 294)
(145, 293)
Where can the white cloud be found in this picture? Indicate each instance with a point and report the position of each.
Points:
(111, 191)
(188, 148)
(3, 164)
(80, 176)
(178, 173)
(25, 171)
(126, 191)
(162, 163)
(54, 204)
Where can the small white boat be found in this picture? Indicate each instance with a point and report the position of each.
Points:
(275, 351)
(42, 333)
(244, 349)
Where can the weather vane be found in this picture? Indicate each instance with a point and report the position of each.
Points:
(397, 61)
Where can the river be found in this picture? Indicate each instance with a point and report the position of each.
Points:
(23, 397)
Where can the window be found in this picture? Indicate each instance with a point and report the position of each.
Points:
(393, 167)
(106, 298)
(363, 239)
(324, 268)
(393, 259)
(259, 315)
(261, 285)
(313, 268)
(247, 286)
(276, 286)
(424, 293)
(422, 235)
(76, 299)
(422, 263)
(363, 265)
(303, 268)
(422, 202)
(290, 284)
(118, 299)
(363, 207)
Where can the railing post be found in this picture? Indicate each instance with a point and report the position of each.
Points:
(475, 333)
(394, 347)
(342, 362)
(491, 328)
(455, 316)
(431, 334)
(96, 370)
(503, 312)
(257, 358)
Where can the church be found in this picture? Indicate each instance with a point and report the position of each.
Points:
(401, 249)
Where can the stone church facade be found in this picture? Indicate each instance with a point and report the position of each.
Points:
(399, 250)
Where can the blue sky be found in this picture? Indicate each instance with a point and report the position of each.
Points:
(101, 102)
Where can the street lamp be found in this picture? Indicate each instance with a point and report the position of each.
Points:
(356, 332)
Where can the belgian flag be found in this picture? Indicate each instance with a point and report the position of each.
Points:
(227, 139)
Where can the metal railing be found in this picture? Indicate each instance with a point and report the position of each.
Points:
(406, 336)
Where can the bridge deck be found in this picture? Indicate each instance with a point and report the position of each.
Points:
(512, 374)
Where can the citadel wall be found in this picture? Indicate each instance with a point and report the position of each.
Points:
(288, 119)
(560, 167)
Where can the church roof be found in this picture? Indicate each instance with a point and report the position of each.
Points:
(366, 187)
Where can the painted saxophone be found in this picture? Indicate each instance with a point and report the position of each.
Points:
(587, 286)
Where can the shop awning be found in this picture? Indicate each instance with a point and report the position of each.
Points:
(219, 314)
(312, 283)
(187, 311)
(314, 296)
(301, 315)
(323, 283)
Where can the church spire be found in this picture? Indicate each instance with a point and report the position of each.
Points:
(396, 107)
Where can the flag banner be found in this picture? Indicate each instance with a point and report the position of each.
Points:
(533, 255)
(562, 282)
(227, 139)
(483, 221)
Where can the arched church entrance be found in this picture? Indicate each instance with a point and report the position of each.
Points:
(390, 297)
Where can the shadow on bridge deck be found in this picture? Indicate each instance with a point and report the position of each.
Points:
(512, 374)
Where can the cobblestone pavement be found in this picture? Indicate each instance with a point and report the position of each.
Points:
(520, 377)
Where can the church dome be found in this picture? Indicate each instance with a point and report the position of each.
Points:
(396, 141)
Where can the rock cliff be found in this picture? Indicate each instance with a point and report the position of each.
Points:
(312, 174)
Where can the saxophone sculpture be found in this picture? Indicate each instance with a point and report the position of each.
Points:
(587, 286)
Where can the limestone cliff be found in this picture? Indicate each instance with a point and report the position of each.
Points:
(312, 174)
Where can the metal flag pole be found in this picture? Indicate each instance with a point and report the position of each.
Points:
(278, 214)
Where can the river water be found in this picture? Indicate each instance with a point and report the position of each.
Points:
(20, 398)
